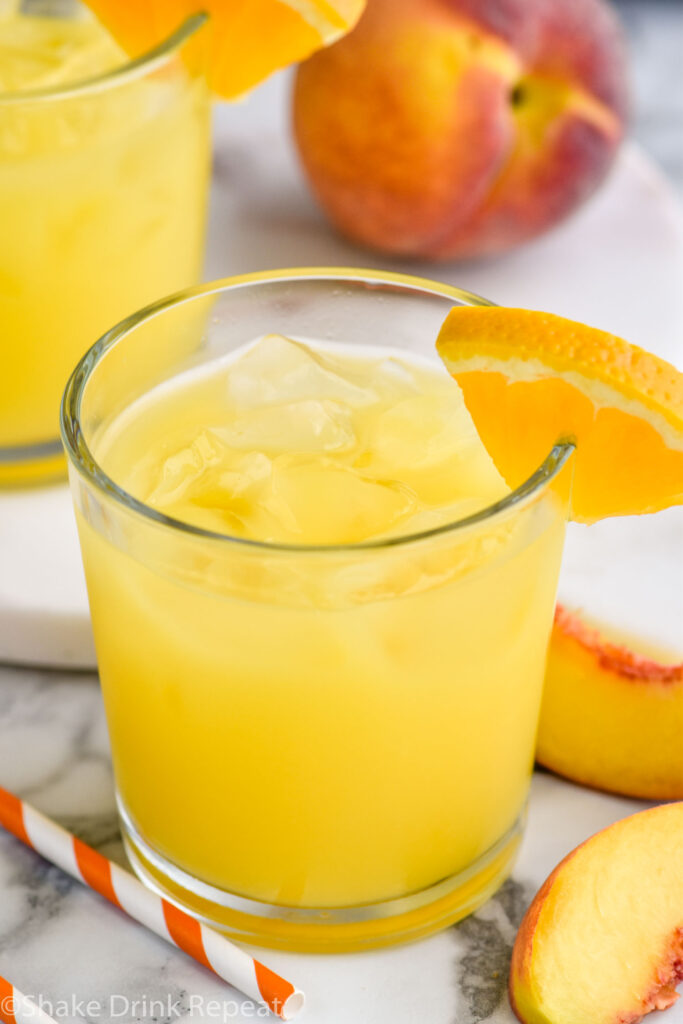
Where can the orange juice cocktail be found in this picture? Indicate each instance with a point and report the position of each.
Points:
(103, 182)
(321, 617)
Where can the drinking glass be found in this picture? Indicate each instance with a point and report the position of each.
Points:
(103, 188)
(315, 747)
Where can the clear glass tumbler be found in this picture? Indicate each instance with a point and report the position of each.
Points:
(315, 747)
(103, 189)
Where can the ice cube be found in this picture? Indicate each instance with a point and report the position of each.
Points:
(231, 487)
(393, 378)
(233, 498)
(277, 370)
(425, 429)
(305, 426)
(42, 53)
(329, 503)
(23, 69)
(429, 442)
(216, 488)
(185, 469)
(425, 519)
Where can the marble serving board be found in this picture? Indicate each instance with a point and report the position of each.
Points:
(617, 264)
(63, 943)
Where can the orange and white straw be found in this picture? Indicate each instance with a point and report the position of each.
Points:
(16, 1008)
(208, 947)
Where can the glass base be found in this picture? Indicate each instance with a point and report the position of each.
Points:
(320, 929)
(31, 464)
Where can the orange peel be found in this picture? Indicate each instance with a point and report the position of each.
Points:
(530, 379)
(247, 41)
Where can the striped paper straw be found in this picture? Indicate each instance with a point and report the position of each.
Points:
(205, 945)
(16, 1008)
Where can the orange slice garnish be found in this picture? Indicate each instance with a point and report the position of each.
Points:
(530, 379)
(249, 39)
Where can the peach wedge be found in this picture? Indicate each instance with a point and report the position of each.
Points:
(610, 718)
(602, 942)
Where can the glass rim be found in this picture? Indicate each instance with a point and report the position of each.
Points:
(129, 70)
(86, 464)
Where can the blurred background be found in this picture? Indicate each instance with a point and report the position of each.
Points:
(655, 33)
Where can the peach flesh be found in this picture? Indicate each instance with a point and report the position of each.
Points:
(611, 718)
(602, 942)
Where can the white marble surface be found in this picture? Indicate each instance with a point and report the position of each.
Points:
(61, 942)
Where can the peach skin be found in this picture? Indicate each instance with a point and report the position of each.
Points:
(602, 942)
(450, 129)
(610, 718)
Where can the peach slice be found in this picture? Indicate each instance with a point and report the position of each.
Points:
(610, 718)
(602, 942)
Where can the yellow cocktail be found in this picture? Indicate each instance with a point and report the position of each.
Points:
(103, 181)
(323, 691)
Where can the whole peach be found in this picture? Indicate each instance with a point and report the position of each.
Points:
(448, 129)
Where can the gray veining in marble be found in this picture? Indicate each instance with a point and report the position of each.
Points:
(489, 936)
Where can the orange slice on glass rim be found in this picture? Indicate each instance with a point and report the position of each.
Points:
(530, 379)
(249, 39)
